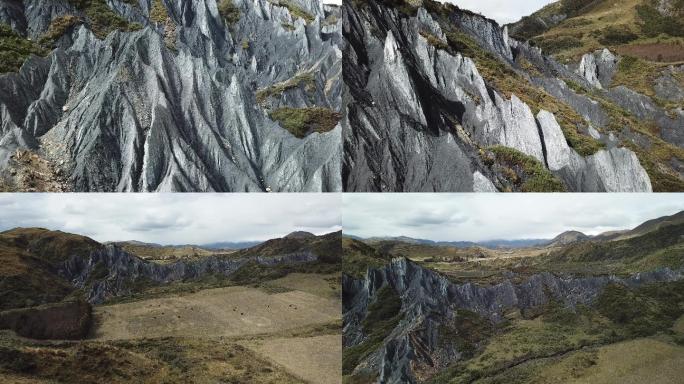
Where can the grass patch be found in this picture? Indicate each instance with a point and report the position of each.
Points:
(297, 11)
(645, 311)
(434, 40)
(101, 19)
(358, 257)
(305, 79)
(158, 12)
(229, 11)
(467, 330)
(304, 121)
(653, 23)
(383, 315)
(58, 27)
(15, 50)
(528, 174)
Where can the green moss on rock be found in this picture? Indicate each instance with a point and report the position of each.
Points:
(303, 121)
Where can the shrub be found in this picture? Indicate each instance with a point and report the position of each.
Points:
(306, 79)
(615, 35)
(302, 121)
(58, 27)
(383, 315)
(101, 19)
(434, 40)
(229, 11)
(653, 23)
(158, 12)
(297, 11)
(530, 174)
(551, 45)
(14, 49)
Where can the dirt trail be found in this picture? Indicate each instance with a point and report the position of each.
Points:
(232, 311)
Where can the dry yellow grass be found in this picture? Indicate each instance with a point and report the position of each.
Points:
(315, 359)
(631, 362)
(327, 286)
(231, 311)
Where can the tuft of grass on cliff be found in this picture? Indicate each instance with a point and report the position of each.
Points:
(15, 49)
(304, 121)
(525, 172)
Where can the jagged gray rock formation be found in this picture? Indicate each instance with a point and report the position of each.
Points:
(598, 68)
(172, 107)
(111, 272)
(428, 299)
(417, 116)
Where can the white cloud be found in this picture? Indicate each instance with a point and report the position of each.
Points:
(503, 11)
(478, 217)
(174, 218)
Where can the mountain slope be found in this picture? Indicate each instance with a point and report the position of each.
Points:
(441, 99)
(41, 266)
(172, 95)
(407, 323)
(571, 28)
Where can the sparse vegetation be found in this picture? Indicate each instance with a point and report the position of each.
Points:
(434, 40)
(526, 172)
(58, 27)
(297, 11)
(15, 50)
(158, 12)
(229, 11)
(509, 83)
(101, 19)
(384, 313)
(303, 121)
(304, 79)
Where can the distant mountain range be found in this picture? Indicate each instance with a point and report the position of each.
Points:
(565, 238)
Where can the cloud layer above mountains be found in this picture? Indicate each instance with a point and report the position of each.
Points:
(173, 218)
(478, 217)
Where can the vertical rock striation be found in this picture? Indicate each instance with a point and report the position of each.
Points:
(172, 106)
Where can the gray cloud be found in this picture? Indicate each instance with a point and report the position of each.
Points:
(174, 218)
(477, 217)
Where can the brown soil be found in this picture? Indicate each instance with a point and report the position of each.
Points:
(659, 52)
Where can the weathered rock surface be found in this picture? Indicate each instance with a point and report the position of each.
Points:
(428, 299)
(172, 107)
(111, 271)
(416, 115)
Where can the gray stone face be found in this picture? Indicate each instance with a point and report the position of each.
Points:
(417, 116)
(598, 68)
(132, 113)
(430, 299)
(123, 269)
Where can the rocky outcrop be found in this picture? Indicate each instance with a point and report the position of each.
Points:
(598, 68)
(69, 320)
(112, 272)
(172, 106)
(429, 299)
(417, 114)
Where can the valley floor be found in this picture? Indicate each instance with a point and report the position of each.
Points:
(274, 333)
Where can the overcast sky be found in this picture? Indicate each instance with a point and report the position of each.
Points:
(503, 11)
(174, 218)
(479, 217)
